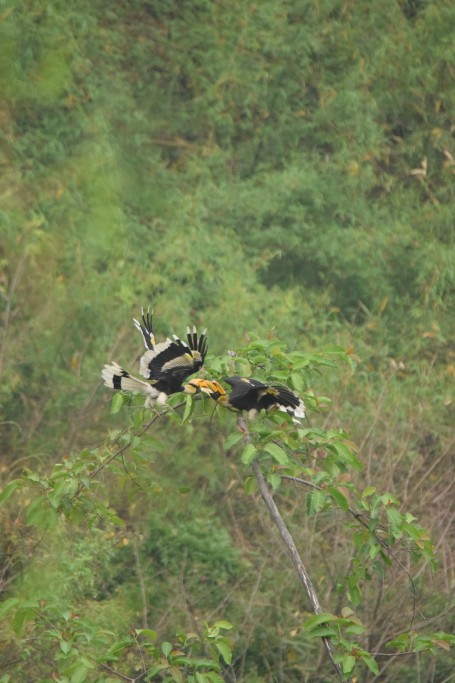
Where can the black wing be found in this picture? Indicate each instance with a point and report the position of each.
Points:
(197, 344)
(245, 392)
(146, 329)
(171, 362)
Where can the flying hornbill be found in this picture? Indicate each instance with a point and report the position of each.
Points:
(250, 395)
(165, 365)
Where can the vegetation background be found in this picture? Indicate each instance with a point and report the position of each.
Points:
(279, 169)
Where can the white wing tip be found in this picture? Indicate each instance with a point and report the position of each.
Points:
(299, 412)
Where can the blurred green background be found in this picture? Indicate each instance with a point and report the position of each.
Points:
(280, 168)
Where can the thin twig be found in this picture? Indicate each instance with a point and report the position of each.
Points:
(117, 673)
(289, 542)
(7, 313)
(140, 577)
(359, 517)
(125, 447)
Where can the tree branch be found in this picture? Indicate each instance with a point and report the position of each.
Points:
(358, 516)
(124, 448)
(289, 542)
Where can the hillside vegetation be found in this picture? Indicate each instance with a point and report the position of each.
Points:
(282, 173)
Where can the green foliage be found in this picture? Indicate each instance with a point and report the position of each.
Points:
(283, 168)
(197, 550)
(84, 652)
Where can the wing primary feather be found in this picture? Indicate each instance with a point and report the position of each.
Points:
(202, 346)
(203, 343)
(146, 328)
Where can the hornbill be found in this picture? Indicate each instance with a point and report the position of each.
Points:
(165, 365)
(250, 395)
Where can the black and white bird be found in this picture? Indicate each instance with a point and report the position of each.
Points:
(250, 395)
(165, 365)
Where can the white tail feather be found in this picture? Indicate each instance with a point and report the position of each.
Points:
(116, 377)
(297, 413)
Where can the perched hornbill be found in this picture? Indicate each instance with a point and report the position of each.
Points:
(250, 395)
(165, 365)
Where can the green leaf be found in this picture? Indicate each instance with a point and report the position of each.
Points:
(232, 440)
(117, 402)
(277, 453)
(22, 615)
(79, 675)
(402, 642)
(355, 629)
(213, 677)
(224, 650)
(317, 619)
(115, 519)
(8, 490)
(368, 491)
(259, 359)
(345, 455)
(166, 649)
(396, 519)
(297, 381)
(248, 454)
(315, 502)
(176, 674)
(65, 646)
(413, 531)
(119, 646)
(370, 662)
(250, 485)
(354, 593)
(337, 350)
(148, 632)
(189, 405)
(339, 498)
(324, 631)
(274, 480)
(41, 514)
(374, 550)
(226, 625)
(348, 663)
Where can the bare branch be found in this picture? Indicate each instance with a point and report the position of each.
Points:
(289, 542)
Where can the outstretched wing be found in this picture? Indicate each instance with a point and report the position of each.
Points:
(197, 344)
(146, 329)
(171, 361)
